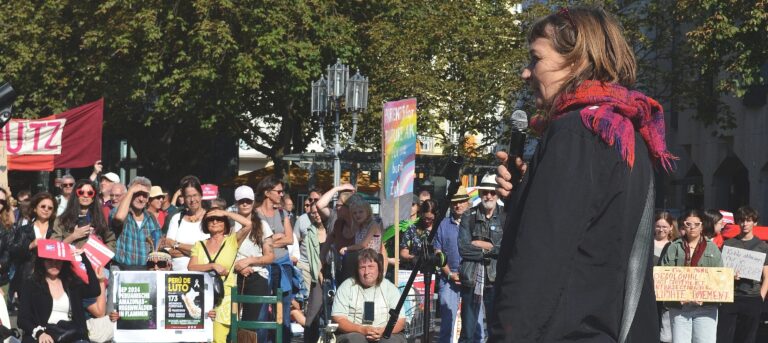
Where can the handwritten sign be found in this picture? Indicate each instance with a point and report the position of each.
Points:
(748, 264)
(693, 284)
(398, 147)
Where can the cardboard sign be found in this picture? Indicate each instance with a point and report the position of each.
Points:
(747, 264)
(705, 284)
(163, 306)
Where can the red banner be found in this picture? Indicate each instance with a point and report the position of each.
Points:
(70, 139)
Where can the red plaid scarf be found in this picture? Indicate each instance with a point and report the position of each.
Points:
(693, 261)
(614, 113)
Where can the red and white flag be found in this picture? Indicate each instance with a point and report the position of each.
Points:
(727, 217)
(55, 250)
(97, 252)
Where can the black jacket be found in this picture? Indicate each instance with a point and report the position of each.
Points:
(474, 226)
(36, 301)
(6, 236)
(21, 255)
(565, 252)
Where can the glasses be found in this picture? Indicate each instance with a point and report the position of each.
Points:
(160, 197)
(88, 194)
(692, 225)
(141, 194)
(158, 264)
(314, 200)
(484, 193)
(279, 191)
(215, 218)
(192, 196)
(245, 202)
(44, 207)
(67, 185)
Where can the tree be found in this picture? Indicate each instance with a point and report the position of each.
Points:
(176, 76)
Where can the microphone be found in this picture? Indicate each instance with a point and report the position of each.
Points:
(518, 125)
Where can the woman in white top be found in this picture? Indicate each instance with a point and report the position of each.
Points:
(254, 254)
(185, 227)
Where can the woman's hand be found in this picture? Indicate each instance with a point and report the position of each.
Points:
(212, 314)
(220, 269)
(343, 251)
(241, 265)
(503, 174)
(277, 236)
(114, 316)
(81, 232)
(218, 213)
(45, 338)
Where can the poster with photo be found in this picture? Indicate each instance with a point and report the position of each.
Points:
(156, 306)
(184, 298)
(137, 301)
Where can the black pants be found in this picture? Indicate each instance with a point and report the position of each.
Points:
(738, 321)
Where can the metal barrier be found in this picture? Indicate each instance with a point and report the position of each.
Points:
(414, 315)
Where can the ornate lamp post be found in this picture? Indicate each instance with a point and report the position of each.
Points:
(334, 94)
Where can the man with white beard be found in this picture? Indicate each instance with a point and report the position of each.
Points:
(480, 236)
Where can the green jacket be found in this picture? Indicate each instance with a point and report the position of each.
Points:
(675, 256)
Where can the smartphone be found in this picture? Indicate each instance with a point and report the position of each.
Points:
(83, 221)
(368, 313)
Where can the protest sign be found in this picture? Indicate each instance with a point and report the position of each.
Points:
(56, 250)
(398, 147)
(162, 306)
(97, 252)
(705, 284)
(747, 264)
(184, 299)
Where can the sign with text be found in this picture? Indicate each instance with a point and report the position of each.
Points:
(398, 151)
(705, 284)
(746, 264)
(162, 306)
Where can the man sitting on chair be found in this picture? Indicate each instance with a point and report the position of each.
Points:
(363, 302)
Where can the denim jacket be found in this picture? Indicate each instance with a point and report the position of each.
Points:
(475, 226)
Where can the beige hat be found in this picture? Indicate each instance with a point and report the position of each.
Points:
(155, 191)
(461, 195)
(161, 256)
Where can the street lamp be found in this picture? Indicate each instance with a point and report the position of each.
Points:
(334, 94)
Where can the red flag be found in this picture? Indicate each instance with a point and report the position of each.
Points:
(78, 267)
(70, 139)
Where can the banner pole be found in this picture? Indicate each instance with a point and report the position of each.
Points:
(397, 238)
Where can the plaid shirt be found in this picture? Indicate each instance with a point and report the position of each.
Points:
(133, 245)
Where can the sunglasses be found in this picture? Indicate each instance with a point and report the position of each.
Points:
(215, 218)
(279, 191)
(487, 192)
(88, 194)
(67, 185)
(141, 194)
(691, 224)
(161, 197)
(44, 207)
(158, 264)
(245, 202)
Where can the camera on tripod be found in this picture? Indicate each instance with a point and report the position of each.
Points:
(433, 261)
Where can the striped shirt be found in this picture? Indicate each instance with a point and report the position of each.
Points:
(134, 243)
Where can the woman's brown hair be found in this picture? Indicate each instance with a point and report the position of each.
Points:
(667, 217)
(592, 42)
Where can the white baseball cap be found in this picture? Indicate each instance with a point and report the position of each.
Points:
(244, 192)
(111, 177)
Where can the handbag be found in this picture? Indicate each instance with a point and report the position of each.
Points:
(64, 332)
(218, 283)
(245, 335)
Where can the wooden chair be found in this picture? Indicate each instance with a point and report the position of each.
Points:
(236, 323)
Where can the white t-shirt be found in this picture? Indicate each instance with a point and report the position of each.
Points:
(186, 233)
(60, 309)
(249, 249)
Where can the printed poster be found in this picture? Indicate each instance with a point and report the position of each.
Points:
(184, 298)
(398, 125)
(137, 301)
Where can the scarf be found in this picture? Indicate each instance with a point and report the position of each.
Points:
(613, 112)
(693, 261)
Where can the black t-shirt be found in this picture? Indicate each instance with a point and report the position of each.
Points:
(747, 287)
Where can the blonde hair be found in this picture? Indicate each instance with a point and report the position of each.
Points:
(357, 201)
(590, 40)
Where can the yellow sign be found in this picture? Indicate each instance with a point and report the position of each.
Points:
(705, 284)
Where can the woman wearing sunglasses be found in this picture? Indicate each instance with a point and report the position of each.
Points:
(24, 245)
(83, 217)
(693, 321)
(218, 253)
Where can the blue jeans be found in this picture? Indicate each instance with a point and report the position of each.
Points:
(450, 293)
(473, 328)
(693, 323)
